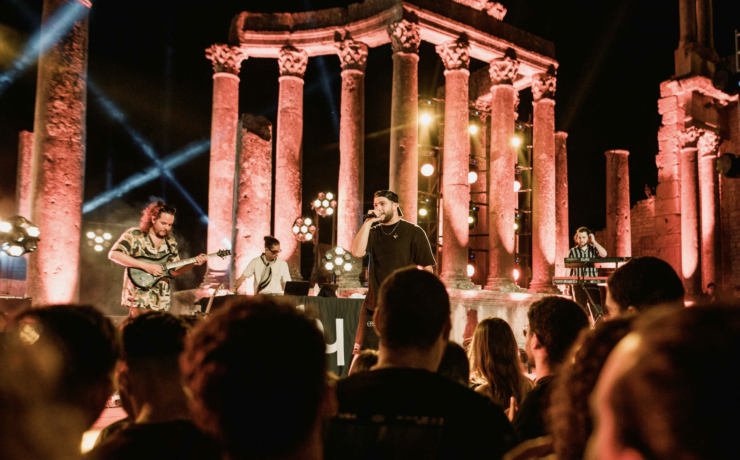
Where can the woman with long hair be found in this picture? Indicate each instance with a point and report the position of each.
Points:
(494, 362)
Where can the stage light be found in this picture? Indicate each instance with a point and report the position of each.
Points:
(338, 261)
(98, 239)
(425, 119)
(324, 205)
(307, 221)
(296, 229)
(329, 266)
(347, 267)
(5, 227)
(98, 247)
(329, 211)
(427, 169)
(517, 185)
(423, 212)
(329, 196)
(339, 251)
(107, 236)
(471, 219)
(309, 236)
(516, 274)
(473, 129)
(18, 236)
(516, 142)
(516, 226)
(15, 250)
(33, 232)
(471, 270)
(473, 173)
(302, 230)
(317, 203)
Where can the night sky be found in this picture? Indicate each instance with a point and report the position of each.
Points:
(148, 60)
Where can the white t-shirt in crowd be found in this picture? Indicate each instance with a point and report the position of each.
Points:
(279, 269)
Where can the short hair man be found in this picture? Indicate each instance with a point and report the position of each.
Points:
(651, 398)
(392, 243)
(150, 380)
(257, 372)
(586, 247)
(403, 408)
(554, 326)
(640, 284)
(86, 341)
(270, 273)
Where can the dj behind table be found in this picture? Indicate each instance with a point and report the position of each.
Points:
(336, 317)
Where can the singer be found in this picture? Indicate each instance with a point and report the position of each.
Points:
(391, 243)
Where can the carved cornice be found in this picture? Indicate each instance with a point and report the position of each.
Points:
(491, 7)
(405, 37)
(503, 71)
(226, 58)
(707, 144)
(352, 54)
(543, 86)
(688, 137)
(292, 62)
(455, 54)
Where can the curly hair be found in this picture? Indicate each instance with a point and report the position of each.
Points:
(494, 358)
(570, 419)
(152, 212)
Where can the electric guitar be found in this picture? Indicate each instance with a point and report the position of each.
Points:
(144, 280)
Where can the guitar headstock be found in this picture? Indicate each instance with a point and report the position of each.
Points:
(223, 253)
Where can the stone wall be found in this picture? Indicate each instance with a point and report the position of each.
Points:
(729, 192)
(643, 228)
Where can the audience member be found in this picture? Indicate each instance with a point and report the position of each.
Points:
(149, 379)
(403, 408)
(87, 343)
(494, 359)
(364, 360)
(455, 365)
(640, 284)
(554, 325)
(257, 372)
(662, 395)
(709, 297)
(570, 420)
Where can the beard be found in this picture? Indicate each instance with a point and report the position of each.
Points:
(386, 218)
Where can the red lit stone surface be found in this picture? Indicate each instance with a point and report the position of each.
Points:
(618, 228)
(690, 214)
(562, 232)
(730, 208)
(501, 194)
(226, 62)
(289, 155)
(253, 204)
(543, 185)
(709, 206)
(59, 163)
(479, 193)
(455, 187)
(642, 221)
(404, 157)
(23, 177)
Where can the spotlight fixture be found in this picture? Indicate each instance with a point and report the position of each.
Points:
(338, 261)
(471, 270)
(473, 129)
(98, 239)
(516, 274)
(324, 204)
(427, 169)
(425, 119)
(304, 229)
(515, 141)
(473, 173)
(18, 236)
(517, 185)
(423, 212)
(472, 218)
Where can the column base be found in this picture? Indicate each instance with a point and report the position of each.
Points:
(458, 281)
(543, 287)
(504, 285)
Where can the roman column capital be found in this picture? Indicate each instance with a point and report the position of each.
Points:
(352, 54)
(405, 37)
(455, 54)
(226, 58)
(292, 62)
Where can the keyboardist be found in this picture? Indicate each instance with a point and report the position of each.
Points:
(586, 246)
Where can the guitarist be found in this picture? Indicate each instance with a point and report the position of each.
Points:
(152, 239)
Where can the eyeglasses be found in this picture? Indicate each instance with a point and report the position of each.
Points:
(525, 330)
(275, 252)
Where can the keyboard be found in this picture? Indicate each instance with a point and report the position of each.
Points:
(599, 262)
(593, 280)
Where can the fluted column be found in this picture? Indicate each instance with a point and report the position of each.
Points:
(690, 212)
(404, 158)
(226, 61)
(58, 171)
(253, 191)
(562, 232)
(23, 176)
(353, 58)
(618, 224)
(501, 194)
(543, 184)
(455, 189)
(289, 155)
(709, 199)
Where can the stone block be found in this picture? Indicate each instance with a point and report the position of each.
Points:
(668, 172)
(666, 190)
(667, 132)
(667, 104)
(648, 242)
(669, 88)
(666, 159)
(665, 225)
(671, 117)
(665, 207)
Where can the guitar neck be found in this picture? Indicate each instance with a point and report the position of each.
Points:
(189, 261)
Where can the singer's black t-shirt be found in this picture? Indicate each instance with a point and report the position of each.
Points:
(392, 247)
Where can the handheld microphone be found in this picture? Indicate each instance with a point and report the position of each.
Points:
(370, 216)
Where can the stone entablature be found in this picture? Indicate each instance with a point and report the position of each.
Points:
(439, 22)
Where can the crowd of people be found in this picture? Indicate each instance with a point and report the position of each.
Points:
(250, 381)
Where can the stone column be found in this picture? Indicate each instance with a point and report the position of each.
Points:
(501, 195)
(618, 225)
(253, 192)
(404, 158)
(58, 171)
(479, 148)
(225, 116)
(353, 58)
(709, 199)
(543, 184)
(691, 271)
(289, 155)
(23, 176)
(455, 188)
(704, 32)
(687, 20)
(562, 238)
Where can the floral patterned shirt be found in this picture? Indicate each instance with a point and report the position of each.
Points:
(134, 243)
